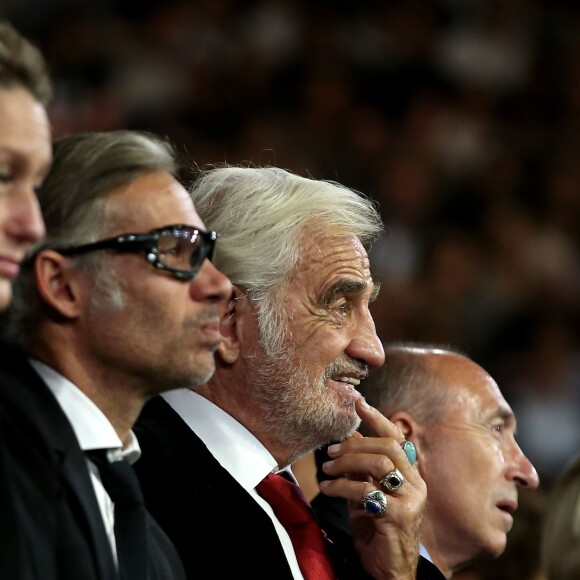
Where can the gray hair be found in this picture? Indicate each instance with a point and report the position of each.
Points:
(86, 169)
(408, 382)
(264, 217)
(22, 65)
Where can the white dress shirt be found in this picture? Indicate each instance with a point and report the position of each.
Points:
(423, 552)
(237, 451)
(93, 431)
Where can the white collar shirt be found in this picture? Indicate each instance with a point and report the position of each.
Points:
(237, 451)
(93, 431)
(423, 552)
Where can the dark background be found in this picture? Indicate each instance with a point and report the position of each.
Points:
(461, 119)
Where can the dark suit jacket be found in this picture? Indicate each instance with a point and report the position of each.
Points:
(211, 519)
(50, 523)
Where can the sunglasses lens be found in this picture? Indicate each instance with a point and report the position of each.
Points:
(182, 249)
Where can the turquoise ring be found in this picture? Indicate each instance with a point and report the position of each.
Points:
(410, 451)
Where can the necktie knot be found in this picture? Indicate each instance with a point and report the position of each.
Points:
(117, 476)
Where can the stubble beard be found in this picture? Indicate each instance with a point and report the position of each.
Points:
(298, 410)
(109, 299)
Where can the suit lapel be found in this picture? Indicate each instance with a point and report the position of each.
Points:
(187, 499)
(69, 461)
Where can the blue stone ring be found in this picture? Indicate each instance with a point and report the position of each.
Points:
(393, 480)
(410, 451)
(375, 503)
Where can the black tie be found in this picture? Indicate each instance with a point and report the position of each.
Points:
(120, 482)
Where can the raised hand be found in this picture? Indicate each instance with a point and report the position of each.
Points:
(386, 537)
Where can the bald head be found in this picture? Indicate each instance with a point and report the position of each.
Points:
(413, 379)
(463, 430)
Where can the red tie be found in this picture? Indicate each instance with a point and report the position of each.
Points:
(295, 514)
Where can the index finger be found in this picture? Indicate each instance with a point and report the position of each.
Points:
(377, 422)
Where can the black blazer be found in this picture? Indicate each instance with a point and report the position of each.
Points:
(51, 526)
(211, 519)
(208, 515)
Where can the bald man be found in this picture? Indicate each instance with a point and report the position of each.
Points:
(463, 431)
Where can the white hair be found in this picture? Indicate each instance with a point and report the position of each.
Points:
(264, 217)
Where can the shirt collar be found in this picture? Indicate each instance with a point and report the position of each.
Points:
(423, 552)
(234, 447)
(92, 428)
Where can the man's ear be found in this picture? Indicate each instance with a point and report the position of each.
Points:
(412, 430)
(405, 422)
(229, 348)
(56, 284)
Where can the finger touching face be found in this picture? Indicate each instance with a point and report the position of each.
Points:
(332, 331)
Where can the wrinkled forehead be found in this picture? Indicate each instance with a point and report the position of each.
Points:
(319, 247)
(332, 263)
(324, 253)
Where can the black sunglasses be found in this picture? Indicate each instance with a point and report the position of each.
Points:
(177, 249)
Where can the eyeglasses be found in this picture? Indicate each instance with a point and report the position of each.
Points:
(177, 249)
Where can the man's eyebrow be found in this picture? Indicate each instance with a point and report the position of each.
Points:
(348, 286)
(504, 414)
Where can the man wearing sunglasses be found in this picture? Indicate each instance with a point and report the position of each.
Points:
(298, 338)
(118, 303)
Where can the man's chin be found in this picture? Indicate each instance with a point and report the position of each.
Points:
(345, 425)
(497, 546)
